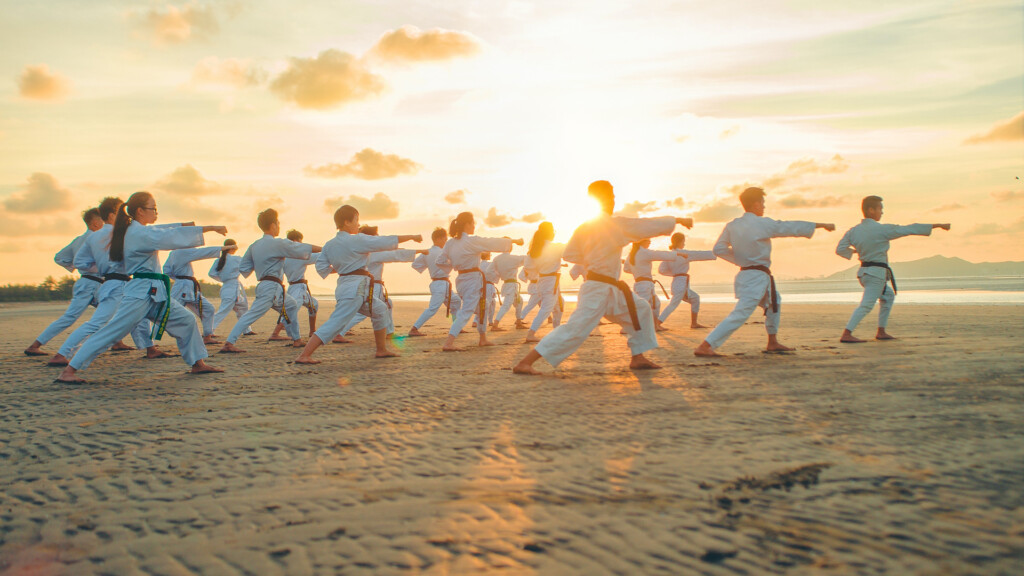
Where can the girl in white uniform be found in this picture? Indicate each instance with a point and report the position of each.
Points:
(232, 295)
(545, 258)
(186, 288)
(679, 270)
(441, 293)
(640, 264)
(298, 287)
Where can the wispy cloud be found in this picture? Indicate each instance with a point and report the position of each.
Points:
(171, 24)
(234, 72)
(532, 218)
(992, 228)
(634, 209)
(721, 210)
(367, 164)
(380, 207)
(496, 220)
(1008, 196)
(39, 83)
(456, 197)
(410, 44)
(810, 201)
(41, 194)
(1009, 130)
(187, 181)
(330, 80)
(948, 207)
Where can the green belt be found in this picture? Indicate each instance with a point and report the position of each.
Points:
(161, 324)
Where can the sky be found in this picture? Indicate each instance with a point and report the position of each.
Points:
(415, 111)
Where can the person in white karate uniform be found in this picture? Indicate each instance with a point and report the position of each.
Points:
(640, 263)
(679, 270)
(95, 254)
(186, 289)
(545, 257)
(528, 275)
(136, 243)
(298, 287)
(747, 242)
(375, 266)
(347, 255)
(462, 252)
(870, 241)
(597, 246)
(232, 294)
(507, 266)
(266, 257)
(491, 281)
(441, 292)
(83, 294)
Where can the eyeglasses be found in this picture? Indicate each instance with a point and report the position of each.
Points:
(147, 208)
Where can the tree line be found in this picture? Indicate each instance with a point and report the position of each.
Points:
(60, 289)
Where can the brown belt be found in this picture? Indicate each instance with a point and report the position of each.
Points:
(773, 294)
(294, 282)
(652, 281)
(195, 290)
(369, 293)
(284, 296)
(447, 295)
(482, 308)
(624, 288)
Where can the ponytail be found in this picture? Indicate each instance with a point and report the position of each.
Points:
(224, 254)
(459, 224)
(124, 218)
(633, 251)
(545, 233)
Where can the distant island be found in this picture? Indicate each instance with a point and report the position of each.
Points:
(941, 267)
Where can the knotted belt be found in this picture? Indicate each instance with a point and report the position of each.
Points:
(196, 291)
(93, 277)
(116, 276)
(626, 292)
(888, 272)
(447, 295)
(554, 290)
(483, 291)
(774, 295)
(687, 283)
(284, 296)
(518, 299)
(384, 291)
(653, 281)
(308, 302)
(369, 293)
(161, 322)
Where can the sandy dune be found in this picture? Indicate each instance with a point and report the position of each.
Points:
(904, 457)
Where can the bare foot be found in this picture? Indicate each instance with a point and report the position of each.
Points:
(57, 360)
(776, 347)
(485, 342)
(530, 339)
(639, 362)
(298, 344)
(204, 368)
(523, 368)
(705, 350)
(276, 338)
(453, 349)
(849, 338)
(697, 326)
(661, 328)
(520, 325)
(414, 332)
(120, 347)
(35, 351)
(305, 360)
(230, 348)
(883, 335)
(339, 339)
(156, 353)
(498, 328)
(210, 340)
(386, 354)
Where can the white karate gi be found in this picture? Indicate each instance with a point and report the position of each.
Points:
(295, 273)
(266, 257)
(679, 269)
(375, 265)
(83, 293)
(529, 276)
(146, 299)
(643, 274)
(232, 294)
(507, 266)
(440, 285)
(178, 265)
(747, 241)
(870, 240)
(549, 262)
(463, 254)
(344, 254)
(597, 246)
(491, 277)
(95, 254)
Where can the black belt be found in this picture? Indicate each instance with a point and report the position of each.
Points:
(284, 295)
(447, 296)
(624, 288)
(93, 278)
(115, 276)
(196, 290)
(774, 295)
(888, 272)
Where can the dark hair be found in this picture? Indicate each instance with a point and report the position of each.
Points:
(676, 239)
(344, 214)
(438, 233)
(368, 230)
(603, 191)
(459, 224)
(266, 218)
(125, 215)
(751, 195)
(632, 252)
(108, 206)
(294, 235)
(89, 214)
(224, 254)
(545, 233)
(870, 202)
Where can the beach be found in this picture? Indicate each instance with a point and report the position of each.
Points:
(902, 457)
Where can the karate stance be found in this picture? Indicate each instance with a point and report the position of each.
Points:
(266, 257)
(186, 290)
(232, 295)
(491, 281)
(597, 246)
(870, 240)
(83, 294)
(528, 275)
(347, 254)
(545, 257)
(640, 264)
(462, 252)
(136, 244)
(679, 270)
(747, 243)
(441, 293)
(507, 266)
(298, 287)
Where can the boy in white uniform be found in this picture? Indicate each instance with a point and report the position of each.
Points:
(298, 287)
(186, 289)
(232, 294)
(747, 243)
(507, 265)
(441, 293)
(597, 246)
(640, 263)
(679, 270)
(870, 240)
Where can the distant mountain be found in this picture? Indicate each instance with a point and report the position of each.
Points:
(941, 267)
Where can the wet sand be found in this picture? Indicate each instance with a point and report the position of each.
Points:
(903, 457)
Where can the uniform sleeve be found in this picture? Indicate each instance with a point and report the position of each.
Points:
(322, 266)
(660, 255)
(290, 249)
(65, 257)
(214, 273)
(573, 248)
(576, 271)
(246, 265)
(697, 255)
(480, 244)
(665, 268)
(637, 229)
(522, 275)
(723, 247)
(399, 255)
(845, 247)
(171, 238)
(193, 254)
(419, 263)
(791, 229)
(84, 258)
(444, 259)
(892, 231)
(366, 244)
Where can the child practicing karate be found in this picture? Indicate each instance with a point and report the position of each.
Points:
(507, 266)
(545, 257)
(597, 246)
(232, 294)
(186, 289)
(346, 255)
(266, 257)
(640, 264)
(870, 241)
(678, 269)
(441, 293)
(298, 287)
(747, 243)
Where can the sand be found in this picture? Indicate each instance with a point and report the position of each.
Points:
(904, 457)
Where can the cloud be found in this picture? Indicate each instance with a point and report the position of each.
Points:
(678, 203)
(991, 228)
(718, 211)
(42, 194)
(18, 228)
(495, 220)
(187, 181)
(367, 164)
(798, 201)
(38, 83)
(235, 72)
(806, 166)
(1008, 196)
(634, 209)
(331, 79)
(380, 207)
(531, 218)
(410, 44)
(948, 207)
(175, 25)
(457, 197)
(1012, 129)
